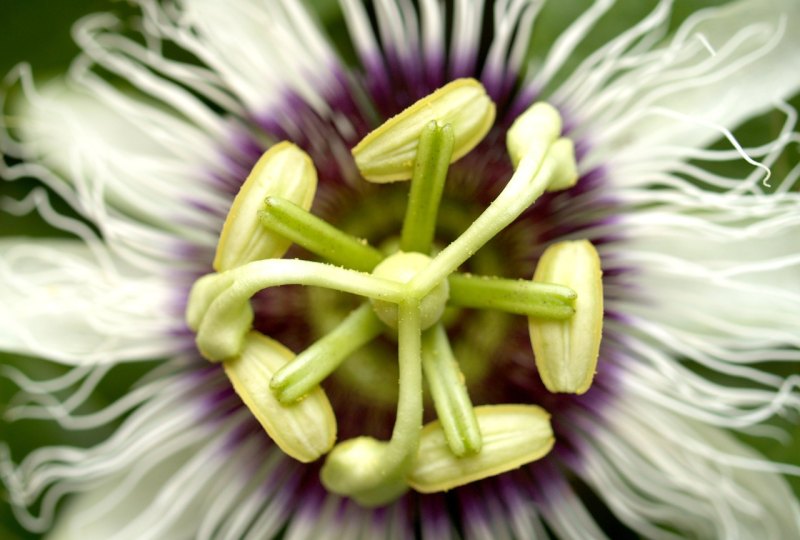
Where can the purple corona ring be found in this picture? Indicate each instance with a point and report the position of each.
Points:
(324, 264)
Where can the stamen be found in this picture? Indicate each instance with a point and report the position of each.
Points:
(224, 324)
(293, 381)
(371, 472)
(480, 292)
(218, 337)
(318, 236)
(388, 153)
(204, 291)
(430, 172)
(513, 435)
(449, 393)
(512, 296)
(304, 430)
(408, 291)
(533, 131)
(530, 180)
(566, 351)
(285, 171)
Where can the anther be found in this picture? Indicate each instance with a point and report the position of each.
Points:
(566, 351)
(513, 435)
(283, 171)
(388, 153)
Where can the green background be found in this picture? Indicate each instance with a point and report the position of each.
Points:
(38, 32)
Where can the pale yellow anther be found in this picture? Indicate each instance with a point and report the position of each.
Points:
(304, 430)
(513, 435)
(387, 154)
(566, 351)
(283, 171)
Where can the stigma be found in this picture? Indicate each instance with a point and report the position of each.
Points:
(408, 285)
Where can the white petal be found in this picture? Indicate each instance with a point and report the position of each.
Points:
(511, 35)
(565, 512)
(76, 387)
(744, 399)
(68, 302)
(484, 519)
(724, 269)
(50, 473)
(684, 93)
(76, 521)
(190, 462)
(259, 49)
(715, 281)
(144, 176)
(568, 40)
(185, 495)
(697, 181)
(409, 43)
(184, 465)
(655, 469)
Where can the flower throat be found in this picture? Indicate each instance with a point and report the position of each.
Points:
(408, 287)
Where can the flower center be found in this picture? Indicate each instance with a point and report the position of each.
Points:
(403, 267)
(407, 291)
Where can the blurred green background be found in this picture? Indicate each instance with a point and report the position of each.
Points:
(38, 32)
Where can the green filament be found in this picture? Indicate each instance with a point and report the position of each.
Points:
(430, 172)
